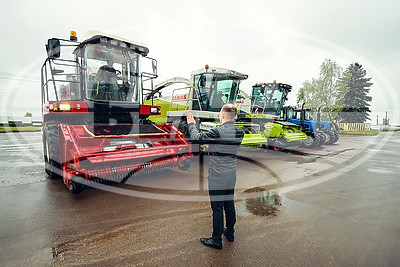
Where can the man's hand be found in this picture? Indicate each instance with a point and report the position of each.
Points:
(190, 118)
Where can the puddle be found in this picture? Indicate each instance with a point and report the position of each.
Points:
(266, 205)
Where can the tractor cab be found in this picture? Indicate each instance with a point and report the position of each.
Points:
(268, 98)
(215, 88)
(296, 115)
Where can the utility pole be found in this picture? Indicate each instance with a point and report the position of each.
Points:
(377, 122)
(386, 120)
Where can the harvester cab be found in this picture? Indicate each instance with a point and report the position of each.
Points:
(204, 95)
(95, 126)
(267, 99)
(210, 89)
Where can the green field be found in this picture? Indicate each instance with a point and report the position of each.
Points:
(5, 129)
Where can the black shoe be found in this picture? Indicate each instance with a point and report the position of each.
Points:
(211, 243)
(229, 236)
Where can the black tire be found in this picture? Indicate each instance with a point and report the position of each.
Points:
(75, 187)
(318, 139)
(185, 164)
(47, 167)
(265, 147)
(181, 125)
(311, 142)
(53, 166)
(176, 123)
(335, 137)
(278, 146)
(328, 137)
(322, 138)
(331, 137)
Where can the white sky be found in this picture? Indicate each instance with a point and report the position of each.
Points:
(269, 40)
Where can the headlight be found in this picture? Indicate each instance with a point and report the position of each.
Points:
(154, 110)
(65, 107)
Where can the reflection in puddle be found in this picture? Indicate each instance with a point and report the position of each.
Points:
(266, 205)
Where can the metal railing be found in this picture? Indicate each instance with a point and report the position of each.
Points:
(354, 127)
(186, 101)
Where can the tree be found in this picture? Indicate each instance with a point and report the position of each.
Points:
(28, 114)
(356, 101)
(327, 91)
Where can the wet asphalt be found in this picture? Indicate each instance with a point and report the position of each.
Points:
(350, 218)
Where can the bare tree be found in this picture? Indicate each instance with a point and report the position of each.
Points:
(326, 91)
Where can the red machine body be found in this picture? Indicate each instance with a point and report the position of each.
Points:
(95, 127)
(100, 153)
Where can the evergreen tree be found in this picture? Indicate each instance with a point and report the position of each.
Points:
(356, 101)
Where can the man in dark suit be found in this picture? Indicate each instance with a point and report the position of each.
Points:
(224, 142)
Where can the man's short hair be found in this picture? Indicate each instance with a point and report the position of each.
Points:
(230, 110)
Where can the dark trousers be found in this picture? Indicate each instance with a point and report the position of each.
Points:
(222, 200)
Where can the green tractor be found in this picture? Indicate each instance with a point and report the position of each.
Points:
(267, 99)
(204, 95)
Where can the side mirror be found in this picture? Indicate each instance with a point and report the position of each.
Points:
(53, 48)
(154, 66)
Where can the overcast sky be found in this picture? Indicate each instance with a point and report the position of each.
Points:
(269, 40)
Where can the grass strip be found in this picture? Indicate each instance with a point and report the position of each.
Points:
(6, 129)
(360, 132)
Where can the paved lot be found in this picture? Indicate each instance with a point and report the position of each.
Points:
(339, 207)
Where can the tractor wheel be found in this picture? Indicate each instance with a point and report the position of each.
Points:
(328, 138)
(176, 123)
(331, 137)
(265, 147)
(75, 187)
(47, 167)
(185, 165)
(311, 142)
(322, 138)
(181, 125)
(278, 146)
(336, 137)
(53, 166)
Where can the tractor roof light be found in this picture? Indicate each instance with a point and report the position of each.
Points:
(207, 67)
(73, 37)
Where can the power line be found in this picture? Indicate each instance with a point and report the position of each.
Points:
(4, 73)
(18, 77)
